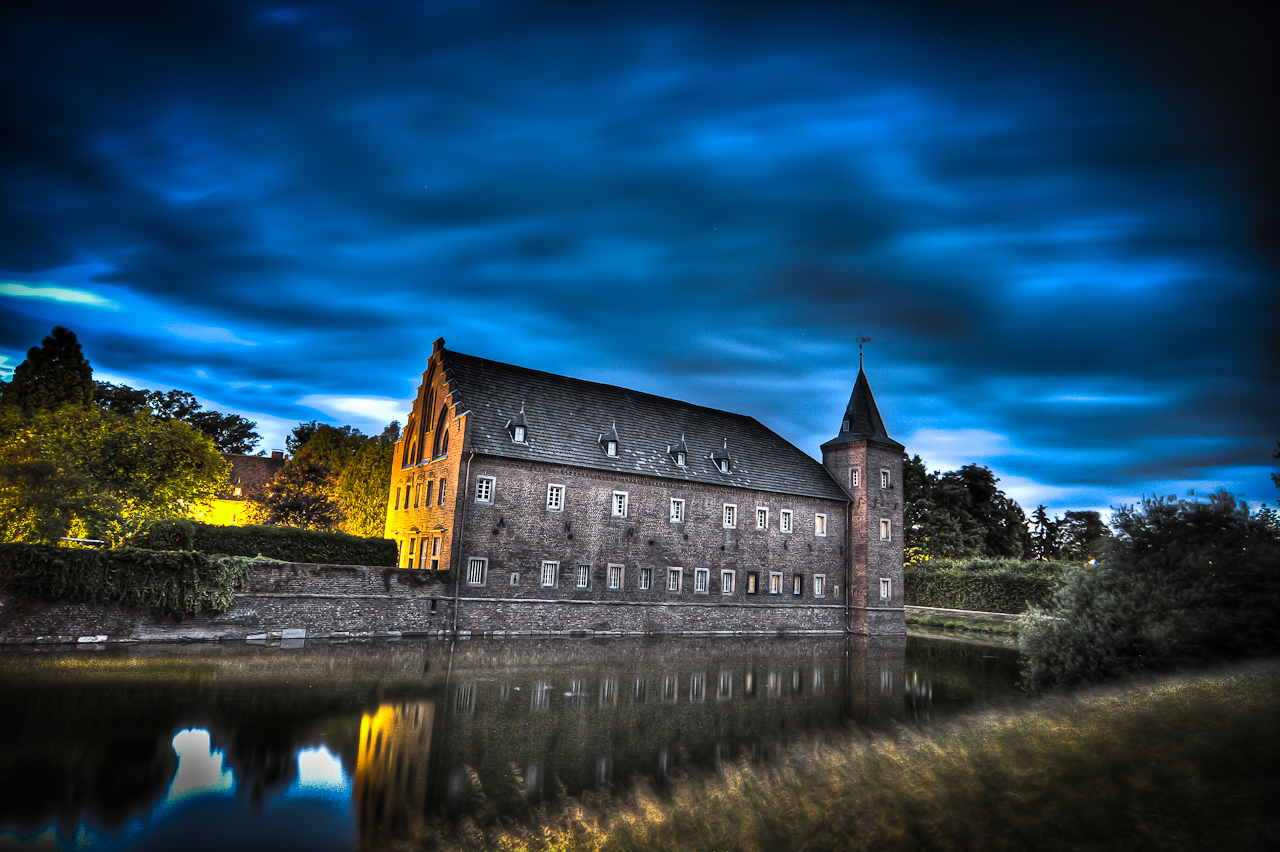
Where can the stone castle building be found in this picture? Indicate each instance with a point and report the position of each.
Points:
(550, 504)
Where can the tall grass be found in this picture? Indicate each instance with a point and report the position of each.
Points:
(1189, 763)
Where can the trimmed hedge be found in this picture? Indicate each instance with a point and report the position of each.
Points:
(170, 584)
(983, 585)
(287, 544)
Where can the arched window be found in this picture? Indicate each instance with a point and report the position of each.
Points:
(442, 434)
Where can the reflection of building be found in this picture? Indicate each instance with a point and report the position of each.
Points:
(390, 789)
(249, 474)
(554, 504)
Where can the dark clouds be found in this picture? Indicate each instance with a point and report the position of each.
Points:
(1055, 222)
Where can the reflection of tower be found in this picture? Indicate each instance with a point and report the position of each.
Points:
(877, 678)
(391, 773)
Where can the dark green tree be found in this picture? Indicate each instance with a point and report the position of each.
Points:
(938, 525)
(120, 399)
(1044, 535)
(363, 486)
(301, 495)
(1082, 536)
(230, 433)
(55, 374)
(998, 519)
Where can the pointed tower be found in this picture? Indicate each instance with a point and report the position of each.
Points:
(868, 464)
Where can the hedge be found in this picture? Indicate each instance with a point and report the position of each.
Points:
(287, 544)
(982, 585)
(171, 584)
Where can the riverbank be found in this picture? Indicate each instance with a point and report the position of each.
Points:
(1070, 773)
(963, 621)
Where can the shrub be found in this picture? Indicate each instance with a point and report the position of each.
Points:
(172, 585)
(1185, 584)
(984, 585)
(284, 543)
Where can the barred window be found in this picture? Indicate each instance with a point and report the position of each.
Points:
(476, 569)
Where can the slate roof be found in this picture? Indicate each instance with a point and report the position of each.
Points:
(566, 418)
(863, 416)
(250, 473)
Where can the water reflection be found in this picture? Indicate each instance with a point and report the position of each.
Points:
(342, 747)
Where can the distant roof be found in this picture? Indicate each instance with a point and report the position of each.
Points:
(566, 418)
(863, 417)
(249, 473)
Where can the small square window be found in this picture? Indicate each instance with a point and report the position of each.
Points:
(726, 582)
(785, 522)
(753, 582)
(674, 578)
(886, 588)
(515, 579)
(619, 504)
(762, 518)
(550, 571)
(701, 580)
(730, 516)
(615, 576)
(819, 524)
(484, 489)
(517, 435)
(723, 464)
(476, 569)
(677, 511)
(610, 448)
(775, 583)
(884, 478)
(819, 585)
(886, 529)
(797, 584)
(582, 577)
(680, 457)
(646, 577)
(555, 498)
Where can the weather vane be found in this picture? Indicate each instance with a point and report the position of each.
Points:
(861, 341)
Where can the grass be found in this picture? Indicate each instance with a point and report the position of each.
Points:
(1184, 763)
(972, 625)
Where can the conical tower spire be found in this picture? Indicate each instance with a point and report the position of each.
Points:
(862, 420)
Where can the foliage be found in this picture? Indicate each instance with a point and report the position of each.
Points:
(172, 585)
(54, 374)
(1076, 537)
(298, 496)
(99, 475)
(231, 433)
(284, 543)
(1062, 775)
(302, 434)
(981, 585)
(363, 486)
(1186, 583)
(959, 513)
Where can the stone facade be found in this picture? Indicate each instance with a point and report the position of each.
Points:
(552, 504)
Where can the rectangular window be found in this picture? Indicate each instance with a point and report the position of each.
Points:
(797, 584)
(677, 511)
(411, 541)
(435, 553)
(615, 576)
(701, 580)
(555, 498)
(619, 504)
(886, 588)
(408, 490)
(440, 498)
(775, 582)
(646, 577)
(785, 523)
(417, 495)
(753, 582)
(476, 569)
(730, 516)
(484, 489)
(762, 518)
(886, 529)
(884, 478)
(853, 477)
(674, 577)
(726, 582)
(819, 585)
(397, 498)
(426, 500)
(582, 577)
(819, 524)
(550, 570)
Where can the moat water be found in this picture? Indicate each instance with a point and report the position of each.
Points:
(355, 746)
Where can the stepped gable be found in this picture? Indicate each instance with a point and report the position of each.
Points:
(862, 417)
(566, 418)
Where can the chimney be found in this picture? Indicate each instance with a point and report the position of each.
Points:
(277, 454)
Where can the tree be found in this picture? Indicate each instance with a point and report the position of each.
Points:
(960, 514)
(363, 486)
(1044, 535)
(333, 446)
(299, 496)
(230, 433)
(96, 474)
(1082, 536)
(1185, 583)
(54, 374)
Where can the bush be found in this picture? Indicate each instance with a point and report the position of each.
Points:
(1185, 584)
(172, 585)
(287, 544)
(983, 585)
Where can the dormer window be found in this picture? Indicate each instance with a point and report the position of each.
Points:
(517, 427)
(722, 460)
(609, 441)
(846, 425)
(680, 459)
(679, 452)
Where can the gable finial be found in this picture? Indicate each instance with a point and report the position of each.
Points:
(861, 341)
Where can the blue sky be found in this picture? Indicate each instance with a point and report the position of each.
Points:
(1058, 226)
